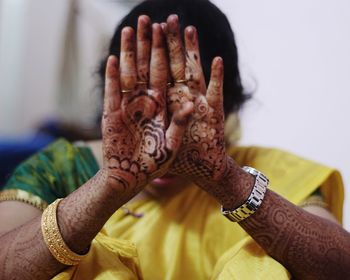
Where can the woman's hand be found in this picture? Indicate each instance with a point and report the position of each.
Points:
(138, 143)
(202, 154)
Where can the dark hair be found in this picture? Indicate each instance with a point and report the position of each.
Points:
(215, 39)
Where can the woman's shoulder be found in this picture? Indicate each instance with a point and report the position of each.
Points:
(55, 171)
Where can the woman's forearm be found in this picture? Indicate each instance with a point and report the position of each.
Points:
(309, 246)
(81, 215)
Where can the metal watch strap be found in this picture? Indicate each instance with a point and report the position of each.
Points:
(254, 200)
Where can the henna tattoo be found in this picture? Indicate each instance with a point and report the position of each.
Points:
(128, 72)
(309, 246)
(232, 189)
(178, 95)
(24, 255)
(159, 63)
(176, 52)
(191, 163)
(143, 48)
(194, 73)
(134, 138)
(138, 148)
(202, 108)
(203, 151)
(92, 205)
(138, 144)
(202, 155)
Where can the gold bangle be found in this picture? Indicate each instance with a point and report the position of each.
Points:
(53, 238)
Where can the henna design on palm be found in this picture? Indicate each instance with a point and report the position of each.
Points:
(138, 143)
(202, 154)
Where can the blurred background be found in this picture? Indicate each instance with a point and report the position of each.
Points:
(293, 54)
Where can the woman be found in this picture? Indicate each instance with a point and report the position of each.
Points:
(132, 210)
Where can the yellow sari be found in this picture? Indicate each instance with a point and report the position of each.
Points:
(186, 237)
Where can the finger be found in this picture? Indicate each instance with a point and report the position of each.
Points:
(165, 28)
(127, 59)
(159, 62)
(178, 126)
(158, 97)
(194, 72)
(215, 88)
(160, 110)
(176, 50)
(144, 31)
(178, 95)
(112, 86)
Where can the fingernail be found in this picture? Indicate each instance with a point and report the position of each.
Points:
(164, 26)
(145, 19)
(218, 59)
(190, 30)
(156, 27)
(127, 30)
(173, 17)
(157, 35)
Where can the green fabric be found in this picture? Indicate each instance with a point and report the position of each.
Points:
(54, 172)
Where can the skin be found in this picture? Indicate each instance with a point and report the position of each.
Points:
(139, 145)
(309, 246)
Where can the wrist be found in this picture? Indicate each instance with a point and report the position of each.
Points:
(116, 183)
(233, 188)
(238, 183)
(82, 214)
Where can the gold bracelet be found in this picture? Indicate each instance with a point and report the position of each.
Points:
(53, 238)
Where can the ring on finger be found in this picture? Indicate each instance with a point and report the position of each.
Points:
(141, 82)
(126, 90)
(183, 81)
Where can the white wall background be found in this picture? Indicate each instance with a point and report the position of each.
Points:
(31, 44)
(297, 51)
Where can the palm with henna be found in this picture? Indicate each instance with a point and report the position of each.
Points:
(202, 156)
(138, 143)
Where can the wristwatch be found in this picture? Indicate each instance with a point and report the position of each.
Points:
(254, 200)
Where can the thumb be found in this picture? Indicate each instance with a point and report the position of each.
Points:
(177, 127)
